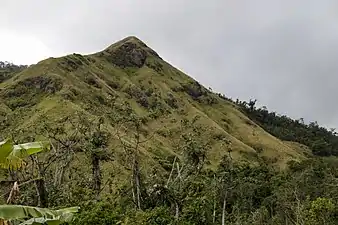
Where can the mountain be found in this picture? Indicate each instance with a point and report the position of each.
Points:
(133, 73)
(136, 141)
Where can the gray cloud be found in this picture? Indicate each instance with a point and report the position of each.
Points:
(281, 52)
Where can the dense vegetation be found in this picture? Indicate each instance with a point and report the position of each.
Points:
(322, 142)
(135, 141)
(7, 70)
(186, 191)
(234, 194)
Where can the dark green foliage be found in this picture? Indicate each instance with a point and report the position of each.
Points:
(8, 70)
(254, 195)
(149, 91)
(321, 141)
(80, 59)
(243, 193)
(171, 101)
(155, 65)
(135, 92)
(156, 103)
(29, 91)
(155, 162)
(92, 81)
(194, 89)
(197, 92)
(103, 213)
(113, 84)
(208, 99)
(70, 94)
(70, 64)
(177, 88)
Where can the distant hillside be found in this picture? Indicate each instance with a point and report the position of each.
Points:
(7, 70)
(321, 141)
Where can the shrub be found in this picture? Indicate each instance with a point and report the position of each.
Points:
(28, 92)
(194, 89)
(89, 79)
(171, 101)
(113, 84)
(103, 213)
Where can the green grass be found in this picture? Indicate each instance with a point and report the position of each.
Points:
(89, 83)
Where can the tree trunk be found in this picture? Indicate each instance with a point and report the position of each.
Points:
(133, 189)
(61, 175)
(215, 194)
(223, 211)
(214, 213)
(42, 193)
(56, 177)
(137, 179)
(14, 191)
(96, 174)
(177, 210)
(41, 190)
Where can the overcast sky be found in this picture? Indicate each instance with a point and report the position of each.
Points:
(282, 52)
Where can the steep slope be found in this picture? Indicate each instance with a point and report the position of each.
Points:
(129, 72)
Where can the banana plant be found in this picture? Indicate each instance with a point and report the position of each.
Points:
(12, 156)
(28, 215)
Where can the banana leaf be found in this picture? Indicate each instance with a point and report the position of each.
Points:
(35, 215)
(12, 156)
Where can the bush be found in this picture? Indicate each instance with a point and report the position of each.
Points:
(156, 216)
(89, 79)
(113, 84)
(155, 65)
(70, 64)
(194, 89)
(101, 213)
(28, 92)
(171, 101)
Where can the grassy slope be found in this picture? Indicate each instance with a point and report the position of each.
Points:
(57, 87)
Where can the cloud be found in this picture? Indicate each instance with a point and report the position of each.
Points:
(21, 49)
(281, 52)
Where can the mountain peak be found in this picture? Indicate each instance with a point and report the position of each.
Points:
(129, 52)
(133, 39)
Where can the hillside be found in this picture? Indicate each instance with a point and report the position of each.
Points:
(321, 141)
(7, 70)
(136, 141)
(129, 71)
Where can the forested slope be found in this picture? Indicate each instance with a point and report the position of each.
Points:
(136, 141)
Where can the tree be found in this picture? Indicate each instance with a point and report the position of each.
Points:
(192, 148)
(12, 157)
(78, 133)
(252, 104)
(34, 215)
(96, 142)
(132, 125)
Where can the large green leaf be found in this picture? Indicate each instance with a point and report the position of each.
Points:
(35, 215)
(31, 147)
(66, 214)
(41, 220)
(6, 147)
(12, 156)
